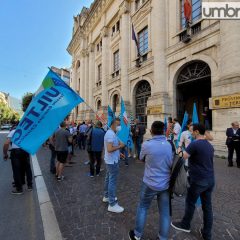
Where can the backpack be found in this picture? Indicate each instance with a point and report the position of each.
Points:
(178, 181)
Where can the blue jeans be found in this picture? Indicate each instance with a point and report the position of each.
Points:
(202, 189)
(139, 142)
(111, 182)
(146, 197)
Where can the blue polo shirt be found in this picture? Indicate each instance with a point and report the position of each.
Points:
(157, 153)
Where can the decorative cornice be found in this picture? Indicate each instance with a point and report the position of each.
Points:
(73, 45)
(124, 7)
(84, 53)
(104, 32)
(91, 47)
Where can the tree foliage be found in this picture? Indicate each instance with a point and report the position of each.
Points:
(7, 114)
(27, 98)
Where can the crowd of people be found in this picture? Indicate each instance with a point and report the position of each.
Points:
(167, 144)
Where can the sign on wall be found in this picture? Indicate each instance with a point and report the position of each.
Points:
(155, 110)
(229, 101)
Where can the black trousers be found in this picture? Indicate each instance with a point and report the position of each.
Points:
(234, 146)
(20, 166)
(95, 157)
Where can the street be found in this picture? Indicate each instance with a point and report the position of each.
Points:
(20, 215)
(81, 214)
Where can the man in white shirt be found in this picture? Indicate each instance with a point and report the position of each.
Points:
(112, 147)
(176, 130)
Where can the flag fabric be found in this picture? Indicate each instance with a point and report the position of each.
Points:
(134, 38)
(165, 124)
(111, 116)
(53, 101)
(195, 114)
(195, 120)
(188, 10)
(184, 126)
(124, 134)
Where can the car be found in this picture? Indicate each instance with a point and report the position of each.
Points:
(6, 127)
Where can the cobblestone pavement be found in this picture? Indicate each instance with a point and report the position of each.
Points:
(82, 215)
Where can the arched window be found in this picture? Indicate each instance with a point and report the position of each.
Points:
(115, 102)
(143, 92)
(78, 64)
(99, 104)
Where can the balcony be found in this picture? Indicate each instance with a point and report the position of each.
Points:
(186, 35)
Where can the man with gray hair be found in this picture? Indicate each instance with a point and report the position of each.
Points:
(233, 143)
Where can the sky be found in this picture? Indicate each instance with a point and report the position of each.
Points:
(34, 35)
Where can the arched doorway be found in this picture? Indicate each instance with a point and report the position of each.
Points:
(115, 103)
(194, 85)
(143, 92)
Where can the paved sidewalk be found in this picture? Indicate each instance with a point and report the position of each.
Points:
(82, 215)
(20, 215)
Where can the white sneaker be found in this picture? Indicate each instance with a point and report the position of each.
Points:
(115, 209)
(134, 156)
(106, 200)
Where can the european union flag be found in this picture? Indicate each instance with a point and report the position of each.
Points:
(52, 103)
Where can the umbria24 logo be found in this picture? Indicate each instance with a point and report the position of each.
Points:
(221, 10)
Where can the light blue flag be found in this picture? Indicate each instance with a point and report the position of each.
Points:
(195, 114)
(124, 134)
(165, 124)
(53, 101)
(111, 116)
(195, 120)
(184, 125)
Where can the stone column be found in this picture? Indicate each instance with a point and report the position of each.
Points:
(229, 73)
(125, 51)
(82, 76)
(91, 75)
(73, 86)
(159, 46)
(159, 43)
(105, 66)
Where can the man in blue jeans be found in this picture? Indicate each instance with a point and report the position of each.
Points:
(157, 154)
(112, 147)
(200, 155)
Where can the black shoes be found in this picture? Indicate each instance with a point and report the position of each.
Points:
(132, 236)
(17, 192)
(178, 226)
(230, 165)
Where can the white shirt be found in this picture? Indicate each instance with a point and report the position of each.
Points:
(10, 135)
(176, 130)
(113, 157)
(186, 139)
(234, 131)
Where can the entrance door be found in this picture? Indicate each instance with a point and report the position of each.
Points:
(194, 85)
(143, 92)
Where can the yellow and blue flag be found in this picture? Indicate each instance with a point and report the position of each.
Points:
(53, 101)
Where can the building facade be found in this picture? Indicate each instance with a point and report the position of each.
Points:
(63, 73)
(177, 65)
